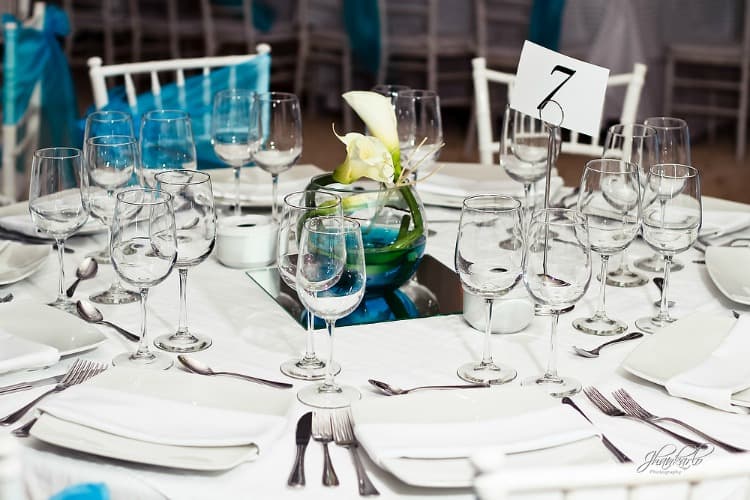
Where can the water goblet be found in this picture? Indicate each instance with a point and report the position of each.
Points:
(195, 222)
(58, 203)
(278, 123)
(610, 199)
(420, 128)
(487, 269)
(298, 207)
(556, 272)
(231, 134)
(144, 251)
(166, 143)
(331, 280)
(672, 214)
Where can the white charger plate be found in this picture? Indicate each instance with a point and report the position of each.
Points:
(729, 268)
(255, 184)
(19, 261)
(47, 325)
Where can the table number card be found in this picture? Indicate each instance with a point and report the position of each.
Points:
(578, 87)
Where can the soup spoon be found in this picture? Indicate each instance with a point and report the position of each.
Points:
(90, 313)
(86, 269)
(397, 391)
(200, 368)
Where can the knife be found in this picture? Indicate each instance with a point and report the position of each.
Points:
(304, 430)
(23, 386)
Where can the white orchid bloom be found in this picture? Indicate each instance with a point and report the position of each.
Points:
(366, 156)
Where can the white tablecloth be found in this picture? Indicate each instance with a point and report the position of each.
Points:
(247, 326)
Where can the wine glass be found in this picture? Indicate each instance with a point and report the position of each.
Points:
(298, 207)
(58, 203)
(610, 198)
(110, 161)
(671, 221)
(487, 269)
(673, 137)
(636, 144)
(420, 128)
(144, 251)
(166, 143)
(195, 222)
(231, 133)
(556, 272)
(279, 139)
(331, 283)
(389, 90)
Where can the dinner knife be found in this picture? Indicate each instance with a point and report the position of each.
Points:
(23, 386)
(619, 455)
(304, 431)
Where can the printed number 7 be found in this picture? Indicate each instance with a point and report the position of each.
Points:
(561, 69)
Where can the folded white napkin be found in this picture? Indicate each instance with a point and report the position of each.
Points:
(166, 413)
(725, 371)
(22, 223)
(411, 426)
(717, 222)
(18, 353)
(259, 192)
(459, 187)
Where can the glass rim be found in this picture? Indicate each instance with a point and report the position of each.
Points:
(593, 166)
(167, 198)
(123, 116)
(204, 177)
(667, 122)
(124, 139)
(348, 225)
(58, 153)
(390, 87)
(418, 94)
(275, 96)
(466, 204)
(690, 171)
(288, 196)
(646, 130)
(236, 92)
(178, 114)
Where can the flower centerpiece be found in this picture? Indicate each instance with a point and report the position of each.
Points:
(377, 191)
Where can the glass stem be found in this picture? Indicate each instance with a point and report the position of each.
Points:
(664, 304)
(107, 249)
(309, 344)
(182, 328)
(486, 354)
(527, 200)
(61, 282)
(274, 193)
(142, 351)
(328, 384)
(551, 372)
(237, 209)
(602, 288)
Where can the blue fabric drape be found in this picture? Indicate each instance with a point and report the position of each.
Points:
(88, 491)
(546, 19)
(363, 29)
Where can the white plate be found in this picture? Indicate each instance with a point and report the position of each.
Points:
(680, 347)
(255, 184)
(207, 392)
(729, 268)
(50, 326)
(19, 261)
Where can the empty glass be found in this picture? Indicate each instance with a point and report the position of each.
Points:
(420, 129)
(195, 222)
(330, 283)
(556, 272)
(298, 207)
(610, 199)
(58, 203)
(144, 251)
(166, 143)
(671, 220)
(487, 269)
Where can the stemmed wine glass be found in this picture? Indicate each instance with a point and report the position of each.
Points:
(166, 143)
(298, 207)
(671, 221)
(487, 269)
(58, 203)
(673, 137)
(144, 251)
(331, 283)
(195, 222)
(231, 134)
(111, 161)
(610, 198)
(636, 144)
(556, 272)
(420, 128)
(279, 139)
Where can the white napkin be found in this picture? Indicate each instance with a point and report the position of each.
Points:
(717, 222)
(22, 223)
(458, 187)
(725, 371)
(486, 418)
(18, 353)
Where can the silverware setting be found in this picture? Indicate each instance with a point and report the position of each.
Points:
(301, 439)
(22, 386)
(594, 353)
(619, 455)
(344, 436)
(200, 368)
(89, 312)
(87, 269)
(322, 432)
(391, 390)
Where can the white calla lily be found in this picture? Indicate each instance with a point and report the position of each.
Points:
(377, 112)
(365, 157)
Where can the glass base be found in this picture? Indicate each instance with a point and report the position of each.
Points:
(114, 295)
(486, 373)
(670, 303)
(600, 326)
(653, 324)
(306, 368)
(625, 278)
(557, 387)
(151, 360)
(101, 257)
(182, 342)
(323, 396)
(64, 304)
(655, 264)
(543, 310)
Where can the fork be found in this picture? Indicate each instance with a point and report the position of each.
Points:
(322, 432)
(80, 370)
(611, 410)
(632, 407)
(344, 436)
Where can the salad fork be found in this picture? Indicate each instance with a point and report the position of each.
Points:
(322, 432)
(632, 407)
(344, 436)
(80, 371)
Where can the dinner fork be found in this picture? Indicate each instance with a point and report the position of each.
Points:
(322, 432)
(632, 407)
(344, 436)
(80, 370)
(611, 410)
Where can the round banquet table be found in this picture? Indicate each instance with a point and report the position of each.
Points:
(252, 332)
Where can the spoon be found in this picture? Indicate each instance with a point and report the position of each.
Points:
(397, 391)
(86, 269)
(659, 282)
(6, 298)
(594, 353)
(90, 313)
(196, 366)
